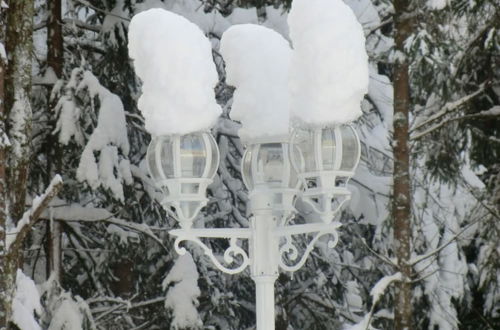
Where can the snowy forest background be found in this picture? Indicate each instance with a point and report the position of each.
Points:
(98, 255)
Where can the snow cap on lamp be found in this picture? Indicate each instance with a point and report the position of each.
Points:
(329, 64)
(173, 58)
(257, 63)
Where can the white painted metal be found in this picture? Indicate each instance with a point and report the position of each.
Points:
(270, 237)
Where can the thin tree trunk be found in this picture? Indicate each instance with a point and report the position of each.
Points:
(55, 61)
(19, 47)
(4, 293)
(401, 203)
(16, 119)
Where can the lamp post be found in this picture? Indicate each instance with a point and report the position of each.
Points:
(319, 84)
(314, 167)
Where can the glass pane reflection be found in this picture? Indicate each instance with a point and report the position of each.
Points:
(350, 148)
(193, 156)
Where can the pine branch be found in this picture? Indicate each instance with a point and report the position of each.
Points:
(450, 107)
(487, 114)
(86, 3)
(31, 216)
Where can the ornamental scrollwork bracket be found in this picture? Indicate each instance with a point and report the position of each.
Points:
(290, 251)
(233, 253)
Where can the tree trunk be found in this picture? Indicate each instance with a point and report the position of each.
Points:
(55, 61)
(19, 47)
(4, 293)
(401, 203)
(17, 118)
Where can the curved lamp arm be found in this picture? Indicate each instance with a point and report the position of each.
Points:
(234, 250)
(290, 250)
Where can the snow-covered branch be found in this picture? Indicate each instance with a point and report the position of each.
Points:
(76, 212)
(493, 112)
(423, 257)
(449, 107)
(16, 236)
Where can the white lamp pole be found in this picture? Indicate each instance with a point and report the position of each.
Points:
(314, 167)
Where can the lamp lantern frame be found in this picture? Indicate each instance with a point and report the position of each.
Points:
(274, 183)
(318, 155)
(184, 189)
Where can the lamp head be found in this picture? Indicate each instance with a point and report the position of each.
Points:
(325, 159)
(182, 166)
(269, 176)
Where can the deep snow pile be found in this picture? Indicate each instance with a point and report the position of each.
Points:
(329, 66)
(173, 58)
(257, 63)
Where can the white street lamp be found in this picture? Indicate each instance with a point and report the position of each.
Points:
(183, 166)
(321, 82)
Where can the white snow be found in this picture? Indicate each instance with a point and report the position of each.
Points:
(49, 77)
(67, 127)
(67, 315)
(174, 60)
(437, 4)
(257, 64)
(12, 231)
(183, 293)
(114, 24)
(329, 66)
(26, 303)
(109, 138)
(379, 288)
(493, 111)
(3, 54)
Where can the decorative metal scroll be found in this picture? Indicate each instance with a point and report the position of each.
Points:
(231, 254)
(290, 251)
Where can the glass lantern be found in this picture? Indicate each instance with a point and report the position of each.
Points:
(325, 160)
(182, 166)
(269, 176)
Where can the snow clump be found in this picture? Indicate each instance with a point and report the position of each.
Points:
(257, 64)
(329, 65)
(173, 58)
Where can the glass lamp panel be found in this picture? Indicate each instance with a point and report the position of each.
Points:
(350, 148)
(151, 157)
(328, 149)
(270, 164)
(246, 168)
(214, 164)
(166, 156)
(193, 156)
(303, 157)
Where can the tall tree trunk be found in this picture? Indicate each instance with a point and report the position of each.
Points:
(4, 301)
(17, 118)
(401, 203)
(55, 61)
(19, 47)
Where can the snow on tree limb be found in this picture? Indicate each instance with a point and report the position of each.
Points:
(379, 288)
(16, 235)
(75, 212)
(449, 107)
